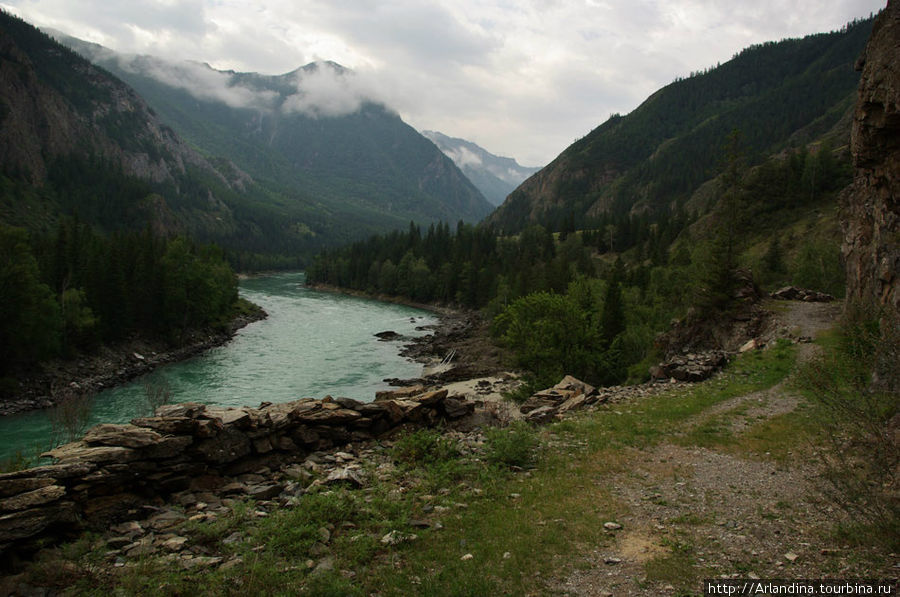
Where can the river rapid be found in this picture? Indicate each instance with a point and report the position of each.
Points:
(312, 344)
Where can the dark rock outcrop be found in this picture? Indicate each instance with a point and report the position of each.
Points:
(792, 293)
(871, 218)
(694, 367)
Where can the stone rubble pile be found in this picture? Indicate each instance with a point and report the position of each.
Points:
(552, 403)
(792, 293)
(691, 367)
(117, 469)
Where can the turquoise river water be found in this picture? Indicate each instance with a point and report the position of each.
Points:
(312, 344)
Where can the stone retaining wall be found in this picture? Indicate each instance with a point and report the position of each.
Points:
(116, 469)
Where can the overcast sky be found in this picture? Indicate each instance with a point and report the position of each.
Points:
(522, 78)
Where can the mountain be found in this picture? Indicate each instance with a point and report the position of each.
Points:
(778, 95)
(74, 138)
(495, 176)
(77, 141)
(311, 135)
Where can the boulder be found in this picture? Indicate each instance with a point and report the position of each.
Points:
(207, 427)
(536, 401)
(129, 436)
(264, 492)
(68, 470)
(337, 416)
(28, 523)
(34, 498)
(9, 487)
(399, 393)
(348, 475)
(191, 410)
(168, 447)
(544, 414)
(575, 385)
(302, 408)
(167, 425)
(81, 452)
(234, 417)
(455, 408)
(349, 403)
(99, 510)
(276, 416)
(228, 446)
(749, 345)
(696, 366)
(431, 398)
(575, 402)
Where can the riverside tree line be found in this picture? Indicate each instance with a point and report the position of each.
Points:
(73, 289)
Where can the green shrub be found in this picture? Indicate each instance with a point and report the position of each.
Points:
(818, 266)
(425, 446)
(856, 384)
(17, 462)
(512, 446)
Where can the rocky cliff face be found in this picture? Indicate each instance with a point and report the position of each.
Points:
(55, 104)
(57, 109)
(871, 206)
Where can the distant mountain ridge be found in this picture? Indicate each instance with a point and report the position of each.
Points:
(777, 95)
(312, 135)
(495, 176)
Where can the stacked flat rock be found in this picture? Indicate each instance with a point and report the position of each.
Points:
(116, 469)
(694, 367)
(569, 394)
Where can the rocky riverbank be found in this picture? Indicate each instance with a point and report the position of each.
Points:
(112, 365)
(458, 348)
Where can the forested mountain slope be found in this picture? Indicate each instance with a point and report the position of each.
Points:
(74, 138)
(778, 95)
(310, 135)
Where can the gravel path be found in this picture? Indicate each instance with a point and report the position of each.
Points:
(713, 512)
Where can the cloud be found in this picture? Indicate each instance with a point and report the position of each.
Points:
(201, 81)
(521, 78)
(319, 90)
(328, 92)
(462, 157)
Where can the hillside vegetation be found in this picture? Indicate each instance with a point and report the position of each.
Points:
(779, 95)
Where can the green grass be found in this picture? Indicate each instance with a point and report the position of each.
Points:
(642, 424)
(678, 567)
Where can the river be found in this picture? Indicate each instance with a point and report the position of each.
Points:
(312, 344)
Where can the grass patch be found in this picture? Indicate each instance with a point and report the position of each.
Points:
(780, 437)
(424, 446)
(513, 446)
(642, 424)
(677, 568)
